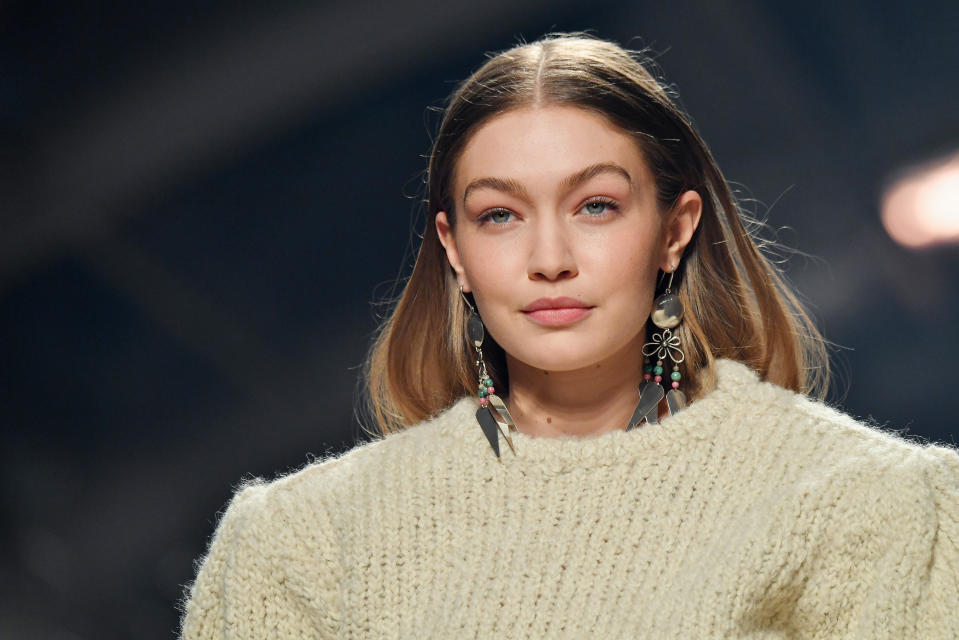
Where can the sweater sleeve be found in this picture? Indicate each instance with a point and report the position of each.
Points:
(938, 610)
(886, 562)
(269, 573)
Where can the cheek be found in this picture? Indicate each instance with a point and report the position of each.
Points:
(491, 267)
(628, 260)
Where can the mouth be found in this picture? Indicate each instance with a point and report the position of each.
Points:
(556, 311)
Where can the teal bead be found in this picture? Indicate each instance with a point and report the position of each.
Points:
(488, 382)
(658, 371)
(675, 375)
(647, 368)
(482, 393)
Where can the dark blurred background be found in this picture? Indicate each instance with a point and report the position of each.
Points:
(200, 201)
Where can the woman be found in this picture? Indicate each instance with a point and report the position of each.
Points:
(572, 469)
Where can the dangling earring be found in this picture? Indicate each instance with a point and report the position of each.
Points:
(667, 314)
(492, 415)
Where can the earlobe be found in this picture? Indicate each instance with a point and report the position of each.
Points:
(445, 233)
(683, 221)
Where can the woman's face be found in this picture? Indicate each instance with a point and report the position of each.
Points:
(556, 208)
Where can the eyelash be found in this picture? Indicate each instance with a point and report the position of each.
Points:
(611, 204)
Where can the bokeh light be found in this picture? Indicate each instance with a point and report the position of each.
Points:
(921, 209)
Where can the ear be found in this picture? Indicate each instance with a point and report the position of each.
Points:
(681, 223)
(448, 240)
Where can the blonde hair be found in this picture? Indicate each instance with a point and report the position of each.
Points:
(737, 303)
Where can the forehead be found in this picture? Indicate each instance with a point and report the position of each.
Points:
(544, 145)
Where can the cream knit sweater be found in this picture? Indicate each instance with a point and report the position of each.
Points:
(755, 512)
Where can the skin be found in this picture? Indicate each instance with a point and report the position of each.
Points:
(537, 236)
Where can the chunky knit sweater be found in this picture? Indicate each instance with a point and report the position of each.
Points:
(755, 512)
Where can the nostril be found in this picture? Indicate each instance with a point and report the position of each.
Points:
(560, 275)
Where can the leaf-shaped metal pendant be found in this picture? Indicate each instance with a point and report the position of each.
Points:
(484, 416)
(650, 393)
(500, 407)
(504, 419)
(640, 411)
(636, 418)
(656, 391)
(676, 401)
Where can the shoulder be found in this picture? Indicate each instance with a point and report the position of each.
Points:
(785, 415)
(281, 540)
(835, 459)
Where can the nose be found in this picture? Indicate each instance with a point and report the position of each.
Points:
(551, 256)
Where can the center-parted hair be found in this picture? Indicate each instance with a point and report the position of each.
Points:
(737, 302)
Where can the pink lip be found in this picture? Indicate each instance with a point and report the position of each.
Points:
(556, 311)
(555, 303)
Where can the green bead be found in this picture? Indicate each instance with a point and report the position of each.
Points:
(658, 371)
(488, 382)
(647, 368)
(675, 375)
(483, 393)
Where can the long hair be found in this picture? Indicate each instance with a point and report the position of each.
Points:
(737, 302)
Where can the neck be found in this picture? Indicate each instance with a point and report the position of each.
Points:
(589, 401)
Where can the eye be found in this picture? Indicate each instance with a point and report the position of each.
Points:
(496, 216)
(597, 207)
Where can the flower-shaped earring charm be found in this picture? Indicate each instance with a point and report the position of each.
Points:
(664, 345)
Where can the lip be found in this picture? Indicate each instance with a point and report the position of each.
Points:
(555, 303)
(554, 312)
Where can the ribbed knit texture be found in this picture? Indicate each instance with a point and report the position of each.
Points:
(755, 512)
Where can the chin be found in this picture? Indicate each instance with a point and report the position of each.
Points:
(561, 360)
(575, 351)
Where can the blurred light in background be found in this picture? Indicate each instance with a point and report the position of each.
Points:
(921, 209)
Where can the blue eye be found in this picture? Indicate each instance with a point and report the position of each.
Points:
(599, 207)
(595, 207)
(497, 216)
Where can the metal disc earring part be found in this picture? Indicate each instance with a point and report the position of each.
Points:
(475, 330)
(668, 311)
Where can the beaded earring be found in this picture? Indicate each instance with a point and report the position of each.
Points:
(667, 314)
(492, 415)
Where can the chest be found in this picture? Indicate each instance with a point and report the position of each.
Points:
(561, 561)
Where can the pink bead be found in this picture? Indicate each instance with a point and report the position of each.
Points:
(490, 390)
(658, 378)
(675, 384)
(483, 401)
(647, 376)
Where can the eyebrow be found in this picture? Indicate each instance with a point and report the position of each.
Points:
(514, 188)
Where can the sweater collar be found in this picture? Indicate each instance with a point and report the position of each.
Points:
(735, 383)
